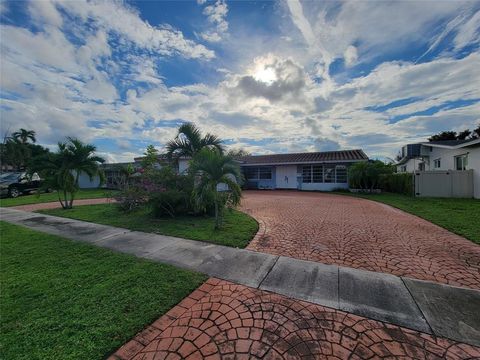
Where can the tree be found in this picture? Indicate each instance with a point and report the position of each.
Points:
(189, 141)
(366, 175)
(211, 168)
(150, 158)
(452, 135)
(61, 170)
(17, 152)
(24, 135)
(476, 133)
(238, 153)
(464, 134)
(444, 135)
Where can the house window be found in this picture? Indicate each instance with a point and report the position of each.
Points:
(258, 173)
(403, 168)
(317, 173)
(324, 174)
(329, 173)
(265, 173)
(461, 162)
(341, 174)
(421, 167)
(437, 163)
(307, 174)
(251, 173)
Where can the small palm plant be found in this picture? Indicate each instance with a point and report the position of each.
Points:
(211, 168)
(61, 170)
(23, 136)
(189, 141)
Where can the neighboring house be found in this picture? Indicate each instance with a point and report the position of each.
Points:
(84, 181)
(443, 155)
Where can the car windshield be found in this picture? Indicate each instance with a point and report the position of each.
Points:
(10, 176)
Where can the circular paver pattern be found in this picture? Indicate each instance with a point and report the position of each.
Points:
(222, 320)
(362, 234)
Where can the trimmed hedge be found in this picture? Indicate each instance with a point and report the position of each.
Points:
(397, 183)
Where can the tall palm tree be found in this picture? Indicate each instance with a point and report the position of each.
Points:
(24, 135)
(211, 168)
(189, 141)
(61, 170)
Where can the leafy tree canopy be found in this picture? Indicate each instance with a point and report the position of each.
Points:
(453, 135)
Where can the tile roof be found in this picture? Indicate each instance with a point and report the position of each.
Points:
(344, 155)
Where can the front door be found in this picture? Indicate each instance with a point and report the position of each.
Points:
(286, 177)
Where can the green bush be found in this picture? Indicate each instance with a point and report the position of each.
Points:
(131, 198)
(171, 203)
(367, 175)
(397, 183)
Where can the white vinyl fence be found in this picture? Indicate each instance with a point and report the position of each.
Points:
(448, 183)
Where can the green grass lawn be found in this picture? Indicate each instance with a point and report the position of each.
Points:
(48, 197)
(237, 231)
(61, 299)
(460, 216)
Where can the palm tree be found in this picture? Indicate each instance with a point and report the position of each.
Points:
(211, 168)
(189, 141)
(61, 170)
(24, 135)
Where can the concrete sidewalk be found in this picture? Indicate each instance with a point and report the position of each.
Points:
(433, 308)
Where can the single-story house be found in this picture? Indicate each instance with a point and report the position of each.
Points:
(441, 156)
(324, 171)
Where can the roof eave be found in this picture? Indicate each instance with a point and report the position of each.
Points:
(303, 162)
(459, 146)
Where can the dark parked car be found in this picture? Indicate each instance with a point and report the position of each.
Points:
(14, 184)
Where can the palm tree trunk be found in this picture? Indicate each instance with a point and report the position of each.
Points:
(72, 196)
(65, 199)
(217, 219)
(60, 199)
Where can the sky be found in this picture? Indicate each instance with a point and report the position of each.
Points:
(268, 77)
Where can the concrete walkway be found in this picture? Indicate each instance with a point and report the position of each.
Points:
(432, 308)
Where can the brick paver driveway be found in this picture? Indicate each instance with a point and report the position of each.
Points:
(358, 233)
(221, 320)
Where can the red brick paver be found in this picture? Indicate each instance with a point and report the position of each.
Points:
(363, 234)
(56, 204)
(221, 320)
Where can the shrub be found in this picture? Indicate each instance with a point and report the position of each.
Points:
(131, 198)
(397, 183)
(171, 203)
(367, 175)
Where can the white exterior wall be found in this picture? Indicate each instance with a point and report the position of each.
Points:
(84, 181)
(447, 162)
(183, 165)
(474, 163)
(286, 177)
(411, 164)
(324, 186)
(447, 157)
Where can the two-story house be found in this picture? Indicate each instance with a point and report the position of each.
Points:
(443, 155)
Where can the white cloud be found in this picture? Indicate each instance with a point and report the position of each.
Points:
(469, 32)
(282, 95)
(216, 15)
(350, 55)
(125, 21)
